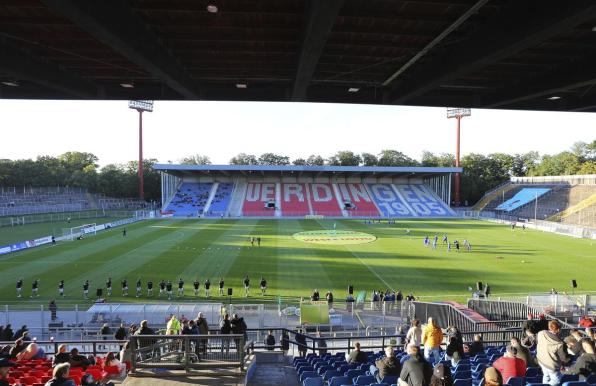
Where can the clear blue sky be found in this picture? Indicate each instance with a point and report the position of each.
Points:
(222, 129)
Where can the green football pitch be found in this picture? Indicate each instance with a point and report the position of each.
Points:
(388, 256)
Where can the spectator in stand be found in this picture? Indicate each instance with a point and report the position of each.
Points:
(120, 334)
(301, 341)
(19, 346)
(33, 351)
(20, 332)
(145, 330)
(126, 354)
(5, 366)
(454, 351)
(541, 324)
(586, 322)
(573, 342)
(63, 356)
(111, 361)
(551, 354)
(173, 326)
(509, 365)
(415, 371)
(432, 337)
(414, 335)
(285, 342)
(357, 356)
(61, 376)
(321, 344)
(441, 376)
(239, 327)
(586, 363)
(388, 365)
(477, 346)
(225, 327)
(8, 334)
(492, 377)
(523, 353)
(203, 329)
(78, 360)
(270, 341)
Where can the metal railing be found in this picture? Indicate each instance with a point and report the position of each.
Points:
(186, 352)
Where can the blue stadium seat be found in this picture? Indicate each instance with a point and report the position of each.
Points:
(323, 369)
(388, 379)
(338, 381)
(591, 379)
(330, 374)
(463, 382)
(314, 381)
(352, 374)
(516, 381)
(462, 374)
(379, 384)
(363, 380)
(460, 367)
(308, 374)
(569, 378)
(533, 371)
(302, 369)
(537, 384)
(575, 383)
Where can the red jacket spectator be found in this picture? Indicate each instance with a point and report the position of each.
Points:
(586, 322)
(510, 366)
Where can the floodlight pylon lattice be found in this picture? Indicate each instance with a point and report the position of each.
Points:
(458, 113)
(141, 106)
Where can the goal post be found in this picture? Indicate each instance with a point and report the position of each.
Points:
(76, 232)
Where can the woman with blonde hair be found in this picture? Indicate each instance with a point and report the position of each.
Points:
(60, 376)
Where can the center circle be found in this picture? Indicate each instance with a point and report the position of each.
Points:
(334, 237)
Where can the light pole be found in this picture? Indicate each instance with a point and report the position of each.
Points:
(141, 106)
(457, 113)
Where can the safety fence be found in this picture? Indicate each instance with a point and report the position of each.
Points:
(187, 352)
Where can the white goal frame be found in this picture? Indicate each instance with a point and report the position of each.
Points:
(85, 230)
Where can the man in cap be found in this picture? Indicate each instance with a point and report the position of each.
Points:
(509, 365)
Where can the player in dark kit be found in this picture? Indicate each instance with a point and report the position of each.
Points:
(169, 290)
(221, 286)
(162, 287)
(19, 287)
(246, 286)
(456, 245)
(263, 286)
(196, 284)
(207, 286)
(86, 289)
(139, 287)
(109, 286)
(61, 288)
(35, 288)
(180, 288)
(124, 232)
(124, 287)
(149, 288)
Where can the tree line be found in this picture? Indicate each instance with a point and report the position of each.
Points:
(481, 172)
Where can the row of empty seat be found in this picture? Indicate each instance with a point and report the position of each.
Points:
(270, 199)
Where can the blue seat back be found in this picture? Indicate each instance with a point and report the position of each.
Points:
(389, 379)
(516, 381)
(569, 378)
(463, 382)
(314, 381)
(308, 374)
(339, 381)
(330, 374)
(575, 383)
(363, 380)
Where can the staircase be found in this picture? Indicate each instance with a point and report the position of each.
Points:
(235, 208)
(574, 208)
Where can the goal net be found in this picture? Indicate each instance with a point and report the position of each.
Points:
(79, 232)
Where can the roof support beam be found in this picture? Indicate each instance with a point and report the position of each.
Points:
(320, 20)
(520, 25)
(113, 23)
(470, 12)
(23, 65)
(576, 75)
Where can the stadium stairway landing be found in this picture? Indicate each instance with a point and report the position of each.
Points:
(488, 198)
(274, 374)
(209, 377)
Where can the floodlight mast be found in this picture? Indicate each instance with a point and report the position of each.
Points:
(141, 106)
(457, 113)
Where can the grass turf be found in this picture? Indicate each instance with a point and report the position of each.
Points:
(511, 261)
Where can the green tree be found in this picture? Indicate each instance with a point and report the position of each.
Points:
(196, 159)
(273, 159)
(369, 159)
(299, 162)
(395, 158)
(437, 160)
(344, 158)
(244, 159)
(315, 160)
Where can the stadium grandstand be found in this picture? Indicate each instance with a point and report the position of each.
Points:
(298, 191)
(561, 199)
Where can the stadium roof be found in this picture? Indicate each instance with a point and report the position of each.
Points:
(532, 54)
(343, 171)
